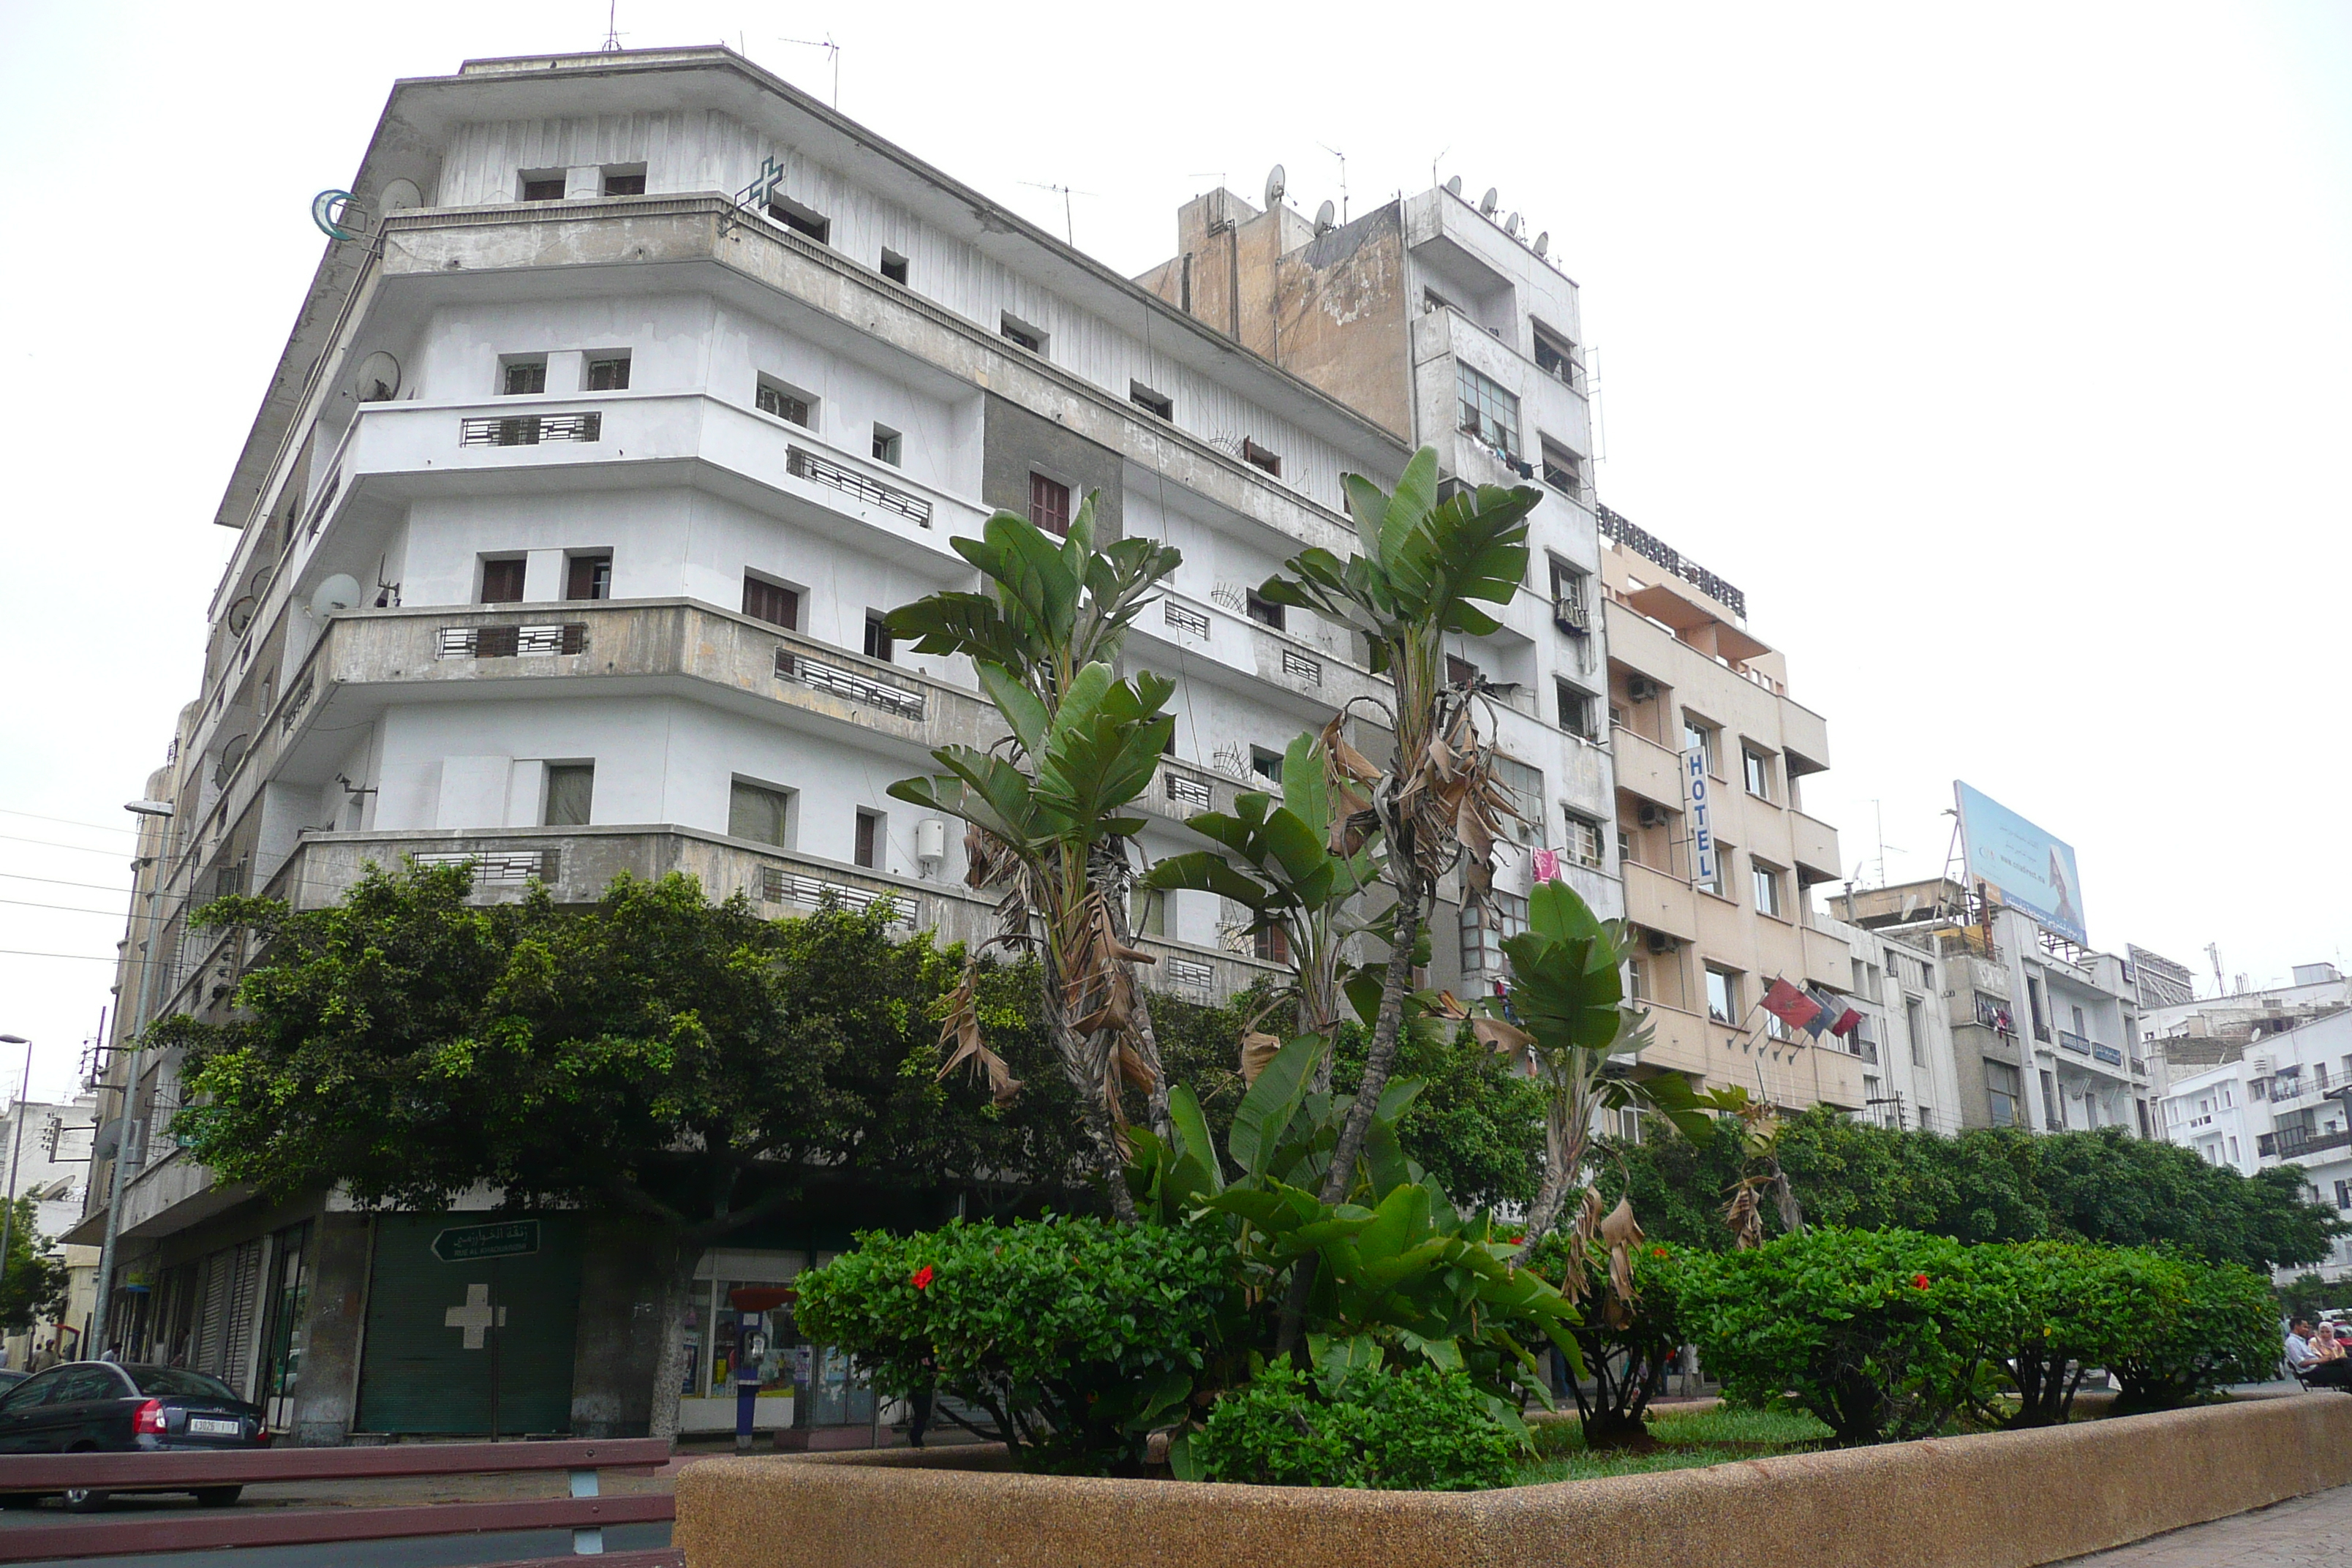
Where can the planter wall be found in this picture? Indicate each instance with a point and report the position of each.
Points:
(1998, 1500)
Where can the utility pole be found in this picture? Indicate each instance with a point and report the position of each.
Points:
(121, 1172)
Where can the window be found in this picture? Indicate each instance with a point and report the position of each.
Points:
(1768, 887)
(2233, 1149)
(1021, 333)
(886, 444)
(502, 581)
(1483, 932)
(1264, 612)
(1914, 1025)
(786, 403)
(1720, 883)
(2034, 1001)
(1488, 413)
(522, 374)
(770, 602)
(2001, 1093)
(1629, 1123)
(1585, 843)
(1460, 671)
(878, 636)
(1258, 457)
(1776, 1026)
(1580, 710)
(2082, 1028)
(1149, 912)
(1157, 404)
(800, 219)
(1564, 470)
(588, 577)
(1699, 736)
(2344, 1194)
(893, 266)
(758, 812)
(624, 182)
(1049, 505)
(1272, 944)
(866, 850)
(1526, 784)
(1568, 583)
(542, 184)
(609, 373)
(1555, 355)
(1431, 299)
(1267, 764)
(1722, 994)
(571, 790)
(1756, 769)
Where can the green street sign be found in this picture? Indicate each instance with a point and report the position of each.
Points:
(468, 1243)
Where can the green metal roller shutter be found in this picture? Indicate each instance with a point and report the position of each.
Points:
(431, 1345)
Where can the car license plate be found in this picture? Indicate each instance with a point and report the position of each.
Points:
(206, 1426)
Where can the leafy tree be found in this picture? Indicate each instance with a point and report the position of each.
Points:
(689, 1064)
(2307, 1296)
(1047, 809)
(35, 1287)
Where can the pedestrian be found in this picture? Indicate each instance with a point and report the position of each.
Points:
(46, 1357)
(2307, 1364)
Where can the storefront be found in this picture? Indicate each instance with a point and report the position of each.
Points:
(839, 1397)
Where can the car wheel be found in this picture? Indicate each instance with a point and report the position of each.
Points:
(217, 1497)
(87, 1499)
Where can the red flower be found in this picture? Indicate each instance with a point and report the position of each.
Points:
(1519, 1241)
(1657, 1252)
(922, 1278)
(1920, 1280)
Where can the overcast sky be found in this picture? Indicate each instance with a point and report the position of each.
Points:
(2001, 353)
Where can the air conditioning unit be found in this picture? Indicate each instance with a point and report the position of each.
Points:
(1650, 816)
(1659, 941)
(1641, 688)
(1569, 615)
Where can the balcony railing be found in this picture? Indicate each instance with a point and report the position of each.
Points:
(2293, 1143)
(800, 667)
(804, 464)
(511, 642)
(529, 430)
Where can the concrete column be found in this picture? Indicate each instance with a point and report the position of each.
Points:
(617, 1344)
(328, 1390)
(542, 574)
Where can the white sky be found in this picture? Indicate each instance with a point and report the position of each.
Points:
(2001, 353)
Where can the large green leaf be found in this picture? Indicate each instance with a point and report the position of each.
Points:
(1265, 1110)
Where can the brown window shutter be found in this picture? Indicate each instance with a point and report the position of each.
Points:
(772, 603)
(1049, 505)
(502, 582)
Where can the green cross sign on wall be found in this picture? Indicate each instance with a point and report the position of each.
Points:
(468, 1243)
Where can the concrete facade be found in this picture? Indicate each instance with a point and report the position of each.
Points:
(49, 1142)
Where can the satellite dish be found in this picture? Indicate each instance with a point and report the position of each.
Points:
(240, 615)
(340, 592)
(1275, 185)
(398, 195)
(1488, 203)
(1454, 184)
(1323, 218)
(1543, 243)
(377, 380)
(1511, 226)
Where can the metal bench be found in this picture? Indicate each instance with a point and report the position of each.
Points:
(585, 1512)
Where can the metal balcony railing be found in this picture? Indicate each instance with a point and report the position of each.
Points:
(840, 682)
(2293, 1143)
(530, 429)
(804, 464)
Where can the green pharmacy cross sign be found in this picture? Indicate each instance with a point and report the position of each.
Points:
(469, 1243)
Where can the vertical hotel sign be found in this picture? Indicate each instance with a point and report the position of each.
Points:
(1695, 790)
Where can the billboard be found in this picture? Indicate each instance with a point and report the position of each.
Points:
(2033, 872)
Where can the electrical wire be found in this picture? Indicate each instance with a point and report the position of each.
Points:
(70, 822)
(84, 957)
(54, 843)
(69, 909)
(61, 882)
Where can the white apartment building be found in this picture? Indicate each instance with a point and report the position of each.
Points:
(563, 532)
(2282, 1102)
(1910, 1073)
(47, 1143)
(2046, 1035)
(2187, 1036)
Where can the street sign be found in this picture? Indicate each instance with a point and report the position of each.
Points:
(468, 1243)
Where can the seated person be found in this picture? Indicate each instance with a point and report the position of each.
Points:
(2327, 1344)
(2308, 1364)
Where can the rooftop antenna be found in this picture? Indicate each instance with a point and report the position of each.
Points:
(1343, 177)
(1453, 184)
(612, 45)
(2213, 952)
(832, 50)
(1070, 225)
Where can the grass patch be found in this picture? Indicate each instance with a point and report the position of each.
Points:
(1684, 1442)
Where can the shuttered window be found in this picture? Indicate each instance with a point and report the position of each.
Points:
(589, 577)
(502, 582)
(867, 849)
(1049, 505)
(772, 603)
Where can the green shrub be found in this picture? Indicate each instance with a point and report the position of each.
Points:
(1627, 1347)
(2048, 1311)
(1417, 1430)
(1076, 1336)
(2193, 1327)
(1874, 1332)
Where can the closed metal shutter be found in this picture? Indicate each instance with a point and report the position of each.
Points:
(244, 1307)
(435, 1339)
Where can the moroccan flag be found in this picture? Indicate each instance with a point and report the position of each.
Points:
(1790, 1005)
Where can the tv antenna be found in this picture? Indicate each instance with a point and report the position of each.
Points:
(612, 45)
(1343, 178)
(1069, 223)
(831, 49)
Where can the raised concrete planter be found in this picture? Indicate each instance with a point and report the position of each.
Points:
(2007, 1499)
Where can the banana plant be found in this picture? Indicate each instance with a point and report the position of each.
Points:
(1423, 569)
(1046, 810)
(1300, 864)
(1568, 1014)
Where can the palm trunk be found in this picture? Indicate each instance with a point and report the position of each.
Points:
(1083, 1064)
(1567, 1132)
(675, 1259)
(1117, 884)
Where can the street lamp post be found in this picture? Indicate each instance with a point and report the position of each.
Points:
(131, 1080)
(15, 1147)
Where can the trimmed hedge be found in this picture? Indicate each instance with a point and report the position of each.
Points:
(1417, 1430)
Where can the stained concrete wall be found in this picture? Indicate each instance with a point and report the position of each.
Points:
(618, 1343)
(342, 1250)
(1015, 442)
(2007, 1499)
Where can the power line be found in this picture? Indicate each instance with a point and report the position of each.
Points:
(54, 844)
(69, 821)
(61, 882)
(69, 909)
(84, 957)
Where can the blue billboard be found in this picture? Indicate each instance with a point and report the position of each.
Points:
(2032, 872)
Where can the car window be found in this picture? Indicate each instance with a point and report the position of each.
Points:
(89, 1383)
(33, 1390)
(170, 1380)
